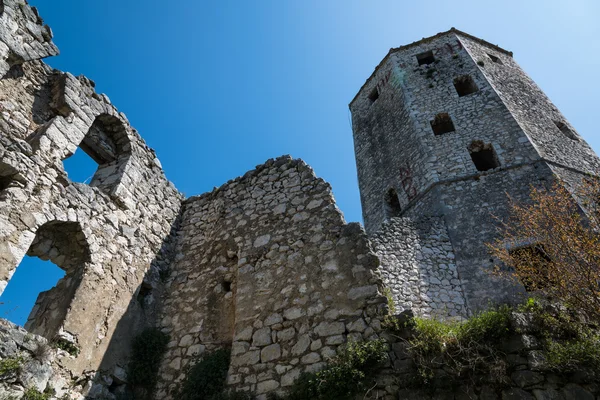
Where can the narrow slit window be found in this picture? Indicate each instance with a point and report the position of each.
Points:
(483, 155)
(564, 128)
(5, 182)
(374, 95)
(495, 59)
(442, 123)
(465, 85)
(392, 203)
(425, 58)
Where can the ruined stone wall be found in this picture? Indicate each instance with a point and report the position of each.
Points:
(418, 266)
(266, 265)
(105, 235)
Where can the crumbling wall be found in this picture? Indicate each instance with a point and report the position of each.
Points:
(105, 235)
(267, 265)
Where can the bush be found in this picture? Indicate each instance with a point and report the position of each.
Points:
(344, 376)
(147, 352)
(564, 261)
(10, 366)
(34, 394)
(205, 380)
(462, 348)
(573, 355)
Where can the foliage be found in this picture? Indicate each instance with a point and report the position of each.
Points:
(147, 352)
(564, 261)
(462, 348)
(34, 394)
(10, 366)
(205, 380)
(350, 372)
(67, 346)
(578, 354)
(480, 63)
(569, 343)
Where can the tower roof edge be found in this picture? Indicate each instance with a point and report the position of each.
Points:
(425, 40)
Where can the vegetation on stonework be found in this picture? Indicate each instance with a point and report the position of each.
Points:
(34, 394)
(66, 345)
(552, 247)
(10, 366)
(569, 343)
(346, 375)
(466, 348)
(205, 380)
(147, 351)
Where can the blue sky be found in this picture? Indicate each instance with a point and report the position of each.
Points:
(217, 87)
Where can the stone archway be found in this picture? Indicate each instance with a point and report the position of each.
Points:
(65, 245)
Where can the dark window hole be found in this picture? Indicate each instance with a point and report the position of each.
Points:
(564, 128)
(374, 95)
(442, 123)
(226, 285)
(465, 85)
(483, 155)
(426, 58)
(495, 59)
(392, 203)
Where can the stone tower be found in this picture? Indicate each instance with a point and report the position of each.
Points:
(444, 129)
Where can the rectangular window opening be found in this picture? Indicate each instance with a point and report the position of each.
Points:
(495, 59)
(426, 58)
(483, 155)
(465, 85)
(442, 123)
(374, 95)
(565, 130)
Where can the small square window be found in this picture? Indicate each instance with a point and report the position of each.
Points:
(374, 95)
(426, 58)
(495, 59)
(442, 123)
(483, 155)
(465, 85)
(564, 128)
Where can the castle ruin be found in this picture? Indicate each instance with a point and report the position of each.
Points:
(443, 129)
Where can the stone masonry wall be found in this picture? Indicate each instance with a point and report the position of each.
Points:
(109, 235)
(266, 265)
(418, 266)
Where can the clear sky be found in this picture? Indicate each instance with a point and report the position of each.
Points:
(217, 87)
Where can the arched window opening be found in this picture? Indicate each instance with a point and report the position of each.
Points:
(31, 279)
(64, 245)
(392, 203)
(80, 167)
(107, 145)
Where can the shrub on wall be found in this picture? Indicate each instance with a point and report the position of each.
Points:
(205, 380)
(349, 373)
(147, 351)
(462, 348)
